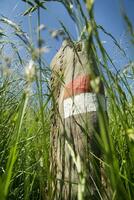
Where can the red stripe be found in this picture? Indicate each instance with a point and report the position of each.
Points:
(81, 84)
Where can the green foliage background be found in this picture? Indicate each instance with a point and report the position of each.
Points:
(25, 111)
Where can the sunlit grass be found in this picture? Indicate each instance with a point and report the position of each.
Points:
(25, 114)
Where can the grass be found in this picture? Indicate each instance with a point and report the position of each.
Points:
(25, 113)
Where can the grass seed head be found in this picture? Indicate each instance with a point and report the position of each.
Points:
(30, 71)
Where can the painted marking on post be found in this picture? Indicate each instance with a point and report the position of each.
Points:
(83, 103)
(79, 97)
(81, 84)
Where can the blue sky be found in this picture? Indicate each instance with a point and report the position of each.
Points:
(107, 14)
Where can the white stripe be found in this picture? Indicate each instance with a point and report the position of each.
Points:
(82, 103)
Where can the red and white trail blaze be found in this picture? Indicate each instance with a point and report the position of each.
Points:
(79, 97)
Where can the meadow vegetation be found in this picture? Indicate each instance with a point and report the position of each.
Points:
(25, 108)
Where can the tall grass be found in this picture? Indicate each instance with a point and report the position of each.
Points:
(25, 111)
(24, 139)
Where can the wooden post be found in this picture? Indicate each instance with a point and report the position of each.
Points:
(75, 171)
